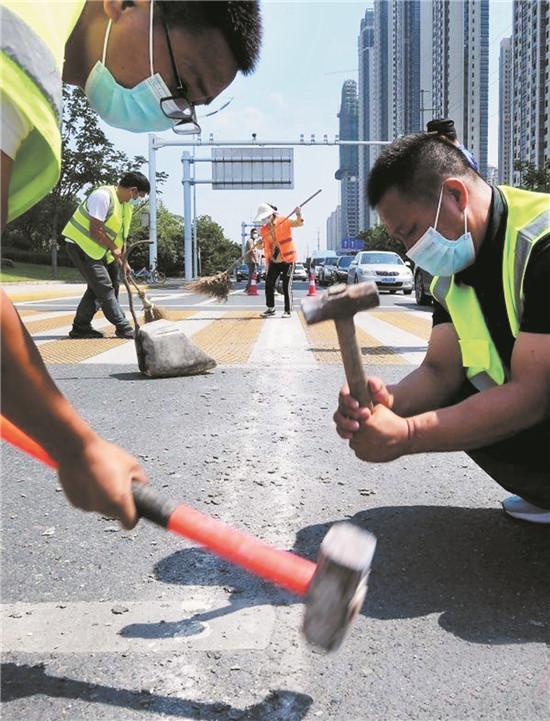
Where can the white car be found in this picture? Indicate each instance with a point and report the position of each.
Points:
(385, 268)
(300, 272)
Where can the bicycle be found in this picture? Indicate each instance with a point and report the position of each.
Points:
(149, 277)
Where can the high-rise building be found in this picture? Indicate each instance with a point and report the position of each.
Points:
(366, 59)
(405, 65)
(530, 83)
(348, 171)
(459, 68)
(334, 229)
(505, 166)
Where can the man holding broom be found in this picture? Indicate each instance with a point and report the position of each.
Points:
(95, 237)
(279, 252)
(132, 59)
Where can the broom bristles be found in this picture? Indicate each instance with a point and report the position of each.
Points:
(215, 286)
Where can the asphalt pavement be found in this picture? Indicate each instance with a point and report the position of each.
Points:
(99, 623)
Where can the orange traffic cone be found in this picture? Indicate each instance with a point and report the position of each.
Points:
(312, 290)
(253, 290)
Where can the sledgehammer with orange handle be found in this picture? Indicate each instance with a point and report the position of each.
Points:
(334, 588)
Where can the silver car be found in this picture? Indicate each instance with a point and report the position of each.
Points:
(384, 267)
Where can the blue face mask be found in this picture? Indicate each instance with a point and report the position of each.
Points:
(439, 255)
(136, 109)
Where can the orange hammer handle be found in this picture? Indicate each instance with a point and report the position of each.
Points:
(280, 567)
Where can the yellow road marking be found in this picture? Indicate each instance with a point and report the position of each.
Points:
(75, 351)
(39, 326)
(40, 295)
(230, 339)
(421, 327)
(324, 344)
(27, 311)
(173, 314)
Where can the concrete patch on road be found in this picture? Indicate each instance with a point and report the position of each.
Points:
(135, 627)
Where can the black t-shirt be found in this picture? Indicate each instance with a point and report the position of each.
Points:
(485, 277)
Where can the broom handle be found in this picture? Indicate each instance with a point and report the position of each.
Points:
(304, 203)
(280, 567)
(130, 298)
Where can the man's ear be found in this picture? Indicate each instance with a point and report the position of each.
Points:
(114, 8)
(457, 188)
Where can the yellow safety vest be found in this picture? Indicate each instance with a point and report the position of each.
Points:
(528, 221)
(116, 224)
(31, 64)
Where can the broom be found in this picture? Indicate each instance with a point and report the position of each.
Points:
(151, 312)
(218, 286)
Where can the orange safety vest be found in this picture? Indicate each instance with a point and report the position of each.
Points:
(283, 238)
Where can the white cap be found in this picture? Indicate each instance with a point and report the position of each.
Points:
(264, 212)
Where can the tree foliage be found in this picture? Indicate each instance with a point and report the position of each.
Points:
(534, 177)
(378, 238)
(216, 251)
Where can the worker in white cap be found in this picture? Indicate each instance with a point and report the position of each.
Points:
(279, 252)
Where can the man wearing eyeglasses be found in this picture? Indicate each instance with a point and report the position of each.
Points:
(144, 66)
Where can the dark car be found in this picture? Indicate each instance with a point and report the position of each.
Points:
(242, 272)
(422, 282)
(342, 268)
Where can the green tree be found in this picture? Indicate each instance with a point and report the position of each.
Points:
(534, 177)
(216, 251)
(169, 241)
(378, 238)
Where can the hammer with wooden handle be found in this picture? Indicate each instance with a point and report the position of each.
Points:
(340, 303)
(334, 589)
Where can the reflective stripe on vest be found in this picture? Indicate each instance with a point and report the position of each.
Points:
(33, 37)
(32, 55)
(116, 225)
(528, 220)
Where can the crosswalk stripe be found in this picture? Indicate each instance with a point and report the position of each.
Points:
(420, 326)
(411, 348)
(325, 346)
(239, 336)
(282, 342)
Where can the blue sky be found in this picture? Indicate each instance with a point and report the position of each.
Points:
(296, 89)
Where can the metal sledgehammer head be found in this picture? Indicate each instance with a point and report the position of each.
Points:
(339, 585)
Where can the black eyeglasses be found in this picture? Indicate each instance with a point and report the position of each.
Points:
(177, 106)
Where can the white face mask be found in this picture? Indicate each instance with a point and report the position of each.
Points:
(136, 109)
(442, 256)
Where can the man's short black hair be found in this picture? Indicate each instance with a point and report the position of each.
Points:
(416, 166)
(135, 180)
(238, 20)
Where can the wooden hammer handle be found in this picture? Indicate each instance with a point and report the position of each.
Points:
(351, 357)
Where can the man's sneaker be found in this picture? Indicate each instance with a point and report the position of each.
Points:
(268, 312)
(85, 333)
(286, 314)
(517, 507)
(126, 333)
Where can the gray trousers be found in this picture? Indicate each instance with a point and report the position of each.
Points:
(102, 290)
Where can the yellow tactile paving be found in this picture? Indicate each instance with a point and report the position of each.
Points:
(41, 294)
(230, 339)
(324, 344)
(39, 326)
(405, 321)
(173, 314)
(27, 312)
(75, 351)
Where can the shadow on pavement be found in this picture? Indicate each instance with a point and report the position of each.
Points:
(23, 681)
(487, 575)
